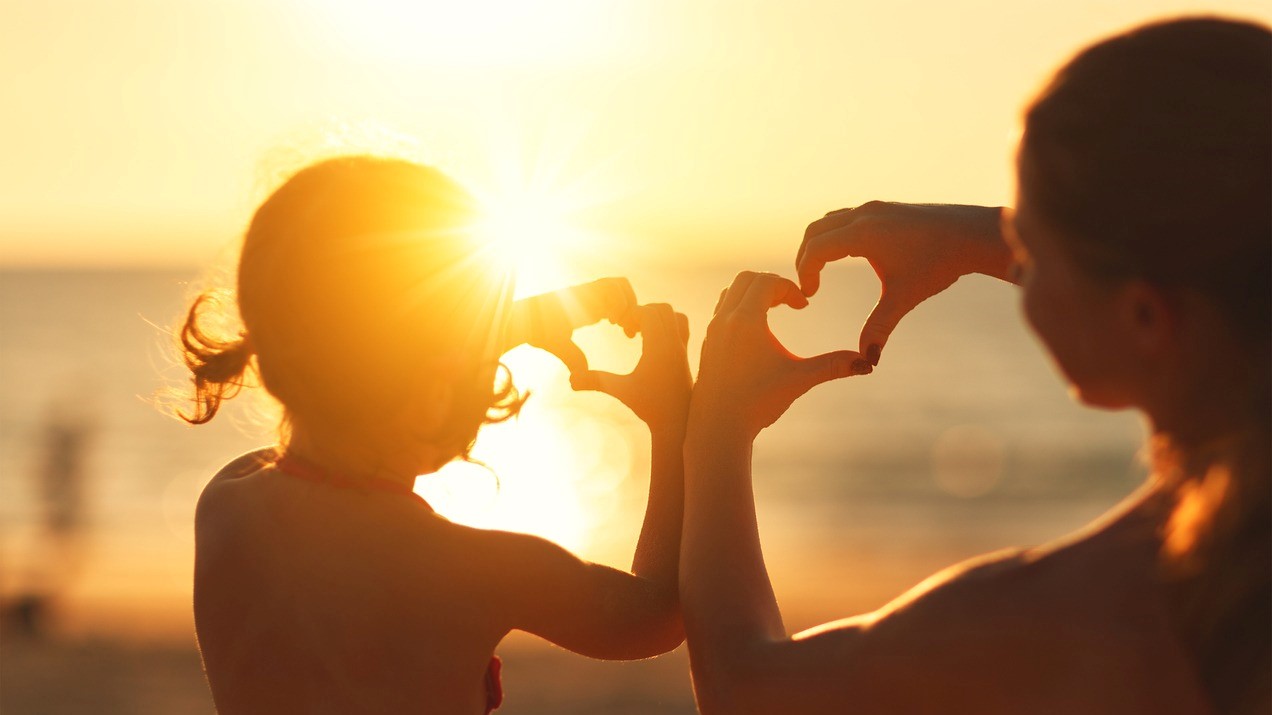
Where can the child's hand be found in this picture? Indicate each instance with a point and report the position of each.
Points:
(548, 321)
(658, 389)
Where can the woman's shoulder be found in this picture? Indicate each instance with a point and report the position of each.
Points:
(1080, 619)
(1087, 579)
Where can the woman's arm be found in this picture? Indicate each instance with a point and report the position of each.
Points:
(936, 649)
(917, 250)
(746, 381)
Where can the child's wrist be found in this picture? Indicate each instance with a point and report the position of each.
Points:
(670, 427)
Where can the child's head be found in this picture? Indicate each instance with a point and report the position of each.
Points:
(369, 309)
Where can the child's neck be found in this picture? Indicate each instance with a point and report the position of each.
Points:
(354, 460)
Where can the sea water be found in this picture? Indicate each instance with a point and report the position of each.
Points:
(964, 440)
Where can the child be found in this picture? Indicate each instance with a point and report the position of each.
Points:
(322, 582)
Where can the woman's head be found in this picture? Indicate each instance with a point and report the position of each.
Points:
(1145, 203)
(368, 306)
(1148, 159)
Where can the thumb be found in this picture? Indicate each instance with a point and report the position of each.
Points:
(599, 381)
(815, 370)
(570, 354)
(879, 326)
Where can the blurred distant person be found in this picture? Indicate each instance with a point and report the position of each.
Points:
(322, 583)
(61, 475)
(55, 556)
(1141, 240)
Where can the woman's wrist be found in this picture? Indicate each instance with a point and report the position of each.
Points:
(715, 424)
(991, 255)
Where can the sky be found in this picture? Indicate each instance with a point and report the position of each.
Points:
(144, 132)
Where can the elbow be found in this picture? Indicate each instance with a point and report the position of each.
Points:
(671, 633)
(664, 627)
(664, 632)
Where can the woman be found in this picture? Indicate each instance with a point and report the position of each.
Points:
(1140, 239)
(322, 583)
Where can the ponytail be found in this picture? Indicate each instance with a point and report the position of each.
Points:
(218, 366)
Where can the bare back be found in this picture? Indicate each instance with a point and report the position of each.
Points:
(312, 599)
(1077, 626)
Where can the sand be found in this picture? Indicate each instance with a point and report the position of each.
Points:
(111, 677)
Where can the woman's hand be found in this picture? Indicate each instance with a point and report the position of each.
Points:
(917, 250)
(548, 321)
(658, 389)
(746, 376)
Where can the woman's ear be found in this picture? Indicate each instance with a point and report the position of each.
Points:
(1149, 318)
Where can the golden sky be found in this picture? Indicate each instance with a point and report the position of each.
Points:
(145, 131)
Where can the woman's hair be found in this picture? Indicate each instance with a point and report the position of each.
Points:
(358, 278)
(1151, 153)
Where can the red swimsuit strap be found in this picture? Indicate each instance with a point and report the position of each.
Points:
(299, 468)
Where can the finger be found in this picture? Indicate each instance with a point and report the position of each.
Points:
(813, 371)
(887, 313)
(603, 299)
(541, 319)
(817, 251)
(768, 290)
(682, 328)
(629, 321)
(569, 354)
(658, 326)
(618, 297)
(833, 220)
(835, 236)
(600, 381)
(734, 293)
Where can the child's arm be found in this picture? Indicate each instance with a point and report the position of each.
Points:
(658, 391)
(596, 610)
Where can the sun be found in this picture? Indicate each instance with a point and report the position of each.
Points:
(530, 233)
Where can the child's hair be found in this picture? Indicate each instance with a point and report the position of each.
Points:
(358, 277)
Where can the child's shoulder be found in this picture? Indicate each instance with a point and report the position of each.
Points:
(228, 477)
(246, 464)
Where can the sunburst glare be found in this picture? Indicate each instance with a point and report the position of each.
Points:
(556, 471)
(529, 232)
(538, 476)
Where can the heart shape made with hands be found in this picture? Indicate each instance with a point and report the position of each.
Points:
(755, 295)
(835, 316)
(548, 321)
(601, 347)
(746, 371)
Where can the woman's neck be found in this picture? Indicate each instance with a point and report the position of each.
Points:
(1194, 411)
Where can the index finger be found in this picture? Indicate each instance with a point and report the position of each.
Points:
(609, 299)
(569, 354)
(832, 220)
(615, 296)
(816, 252)
(768, 290)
